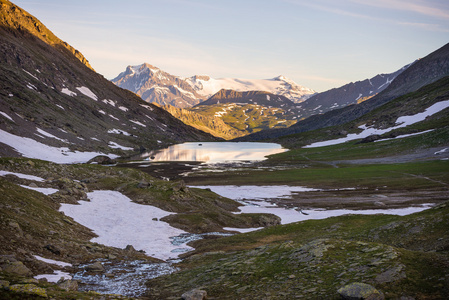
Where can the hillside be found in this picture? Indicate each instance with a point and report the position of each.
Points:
(250, 111)
(423, 113)
(424, 71)
(50, 96)
(212, 124)
(351, 93)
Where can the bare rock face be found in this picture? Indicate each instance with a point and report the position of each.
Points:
(360, 291)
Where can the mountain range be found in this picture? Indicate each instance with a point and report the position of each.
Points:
(157, 86)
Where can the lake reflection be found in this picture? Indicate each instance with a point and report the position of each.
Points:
(215, 152)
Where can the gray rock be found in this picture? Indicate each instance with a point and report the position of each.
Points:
(95, 267)
(392, 274)
(194, 294)
(68, 285)
(130, 248)
(360, 291)
(143, 185)
(102, 160)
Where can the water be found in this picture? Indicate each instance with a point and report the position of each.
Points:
(215, 152)
(123, 278)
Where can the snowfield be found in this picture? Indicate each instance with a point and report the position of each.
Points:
(280, 85)
(118, 222)
(256, 200)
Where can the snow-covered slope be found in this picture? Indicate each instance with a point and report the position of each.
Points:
(280, 85)
(156, 86)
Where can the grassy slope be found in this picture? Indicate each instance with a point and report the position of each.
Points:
(248, 118)
(401, 256)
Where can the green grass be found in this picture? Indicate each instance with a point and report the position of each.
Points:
(408, 176)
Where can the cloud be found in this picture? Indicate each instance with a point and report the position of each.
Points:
(425, 26)
(362, 9)
(436, 9)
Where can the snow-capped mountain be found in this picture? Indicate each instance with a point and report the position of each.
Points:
(280, 85)
(154, 85)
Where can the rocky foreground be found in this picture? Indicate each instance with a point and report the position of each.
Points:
(372, 257)
(31, 224)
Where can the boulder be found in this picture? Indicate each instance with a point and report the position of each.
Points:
(102, 160)
(68, 285)
(194, 294)
(95, 267)
(360, 291)
(16, 267)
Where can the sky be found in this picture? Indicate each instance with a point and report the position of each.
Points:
(320, 44)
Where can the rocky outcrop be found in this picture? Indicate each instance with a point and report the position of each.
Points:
(360, 291)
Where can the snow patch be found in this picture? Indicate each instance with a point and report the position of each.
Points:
(117, 131)
(54, 277)
(6, 116)
(138, 123)
(45, 191)
(114, 145)
(32, 149)
(87, 92)
(400, 122)
(118, 222)
(68, 92)
(107, 101)
(42, 132)
(23, 176)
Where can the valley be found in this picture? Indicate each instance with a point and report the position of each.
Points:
(155, 186)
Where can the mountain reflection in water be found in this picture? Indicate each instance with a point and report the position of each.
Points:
(215, 152)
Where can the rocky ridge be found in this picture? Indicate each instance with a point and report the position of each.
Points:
(51, 97)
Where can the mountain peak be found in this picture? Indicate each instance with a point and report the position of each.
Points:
(281, 78)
